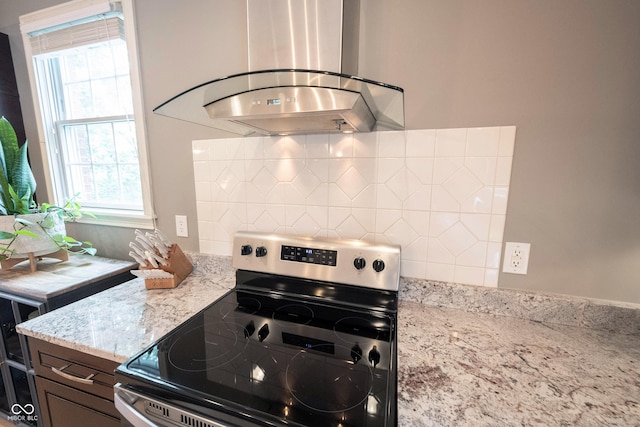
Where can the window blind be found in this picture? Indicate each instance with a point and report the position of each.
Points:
(77, 35)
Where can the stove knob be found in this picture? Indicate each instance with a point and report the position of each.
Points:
(374, 356)
(356, 353)
(263, 332)
(378, 265)
(261, 251)
(359, 263)
(249, 329)
(246, 250)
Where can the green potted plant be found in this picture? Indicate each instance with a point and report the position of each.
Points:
(26, 229)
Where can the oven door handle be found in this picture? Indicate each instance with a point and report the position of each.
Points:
(129, 412)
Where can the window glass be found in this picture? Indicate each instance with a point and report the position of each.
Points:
(99, 155)
(82, 73)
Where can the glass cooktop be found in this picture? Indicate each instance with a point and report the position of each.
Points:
(283, 359)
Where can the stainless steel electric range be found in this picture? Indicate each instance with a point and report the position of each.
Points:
(307, 337)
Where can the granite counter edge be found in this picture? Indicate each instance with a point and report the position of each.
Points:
(544, 308)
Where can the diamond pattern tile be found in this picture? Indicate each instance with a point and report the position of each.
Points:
(365, 217)
(385, 218)
(352, 182)
(294, 195)
(457, 239)
(319, 196)
(337, 197)
(266, 222)
(419, 200)
(440, 194)
(337, 216)
(445, 167)
(403, 184)
(350, 228)
(386, 198)
(422, 168)
(442, 200)
(306, 225)
(401, 232)
(438, 253)
(475, 256)
(284, 170)
(264, 181)
(484, 168)
(366, 198)
(293, 214)
(462, 185)
(416, 250)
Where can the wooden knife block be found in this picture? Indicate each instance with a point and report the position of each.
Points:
(177, 264)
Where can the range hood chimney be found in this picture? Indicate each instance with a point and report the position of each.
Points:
(303, 59)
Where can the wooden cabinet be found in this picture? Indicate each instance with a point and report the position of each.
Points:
(25, 295)
(74, 388)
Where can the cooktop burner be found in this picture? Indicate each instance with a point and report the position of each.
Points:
(276, 350)
(221, 342)
(349, 384)
(296, 313)
(242, 308)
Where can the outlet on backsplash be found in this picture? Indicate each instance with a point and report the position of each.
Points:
(516, 257)
(182, 228)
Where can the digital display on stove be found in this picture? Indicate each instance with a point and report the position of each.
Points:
(308, 255)
(308, 343)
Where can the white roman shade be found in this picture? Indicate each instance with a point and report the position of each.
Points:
(52, 29)
(77, 35)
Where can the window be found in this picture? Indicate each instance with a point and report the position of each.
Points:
(84, 71)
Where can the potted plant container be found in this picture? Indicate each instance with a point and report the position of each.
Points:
(26, 229)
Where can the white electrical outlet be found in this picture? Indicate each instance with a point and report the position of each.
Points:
(182, 228)
(516, 257)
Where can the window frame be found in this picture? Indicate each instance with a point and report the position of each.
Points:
(69, 12)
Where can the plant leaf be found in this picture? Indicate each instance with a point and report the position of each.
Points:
(23, 221)
(22, 179)
(6, 235)
(15, 172)
(47, 222)
(5, 197)
(25, 232)
(9, 143)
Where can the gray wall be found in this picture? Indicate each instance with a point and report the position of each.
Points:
(564, 72)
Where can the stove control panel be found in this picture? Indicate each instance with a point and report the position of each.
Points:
(308, 255)
(353, 262)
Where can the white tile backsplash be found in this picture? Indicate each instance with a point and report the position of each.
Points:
(440, 194)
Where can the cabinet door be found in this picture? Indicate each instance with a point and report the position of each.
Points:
(62, 406)
(66, 366)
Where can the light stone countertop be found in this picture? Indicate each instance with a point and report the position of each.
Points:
(456, 367)
(120, 321)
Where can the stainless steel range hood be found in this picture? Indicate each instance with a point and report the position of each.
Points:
(303, 57)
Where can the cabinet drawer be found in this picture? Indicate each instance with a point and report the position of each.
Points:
(73, 368)
(63, 406)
